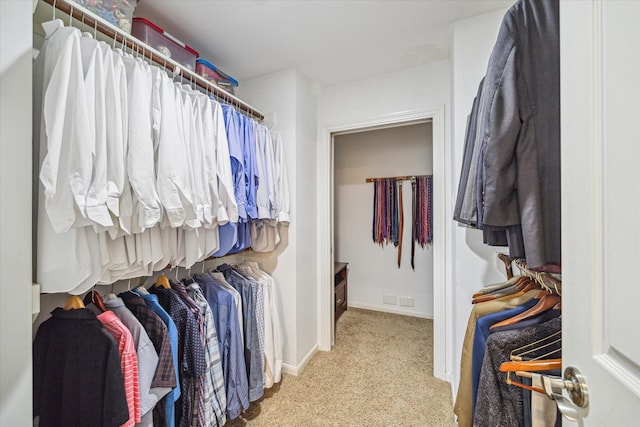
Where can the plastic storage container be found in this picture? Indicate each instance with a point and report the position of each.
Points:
(215, 76)
(116, 12)
(165, 43)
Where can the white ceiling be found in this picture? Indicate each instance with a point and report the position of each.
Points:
(329, 41)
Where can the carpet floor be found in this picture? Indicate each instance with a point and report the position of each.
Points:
(378, 374)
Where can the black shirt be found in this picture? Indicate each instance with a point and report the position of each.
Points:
(77, 378)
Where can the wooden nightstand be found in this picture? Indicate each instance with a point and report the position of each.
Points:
(341, 274)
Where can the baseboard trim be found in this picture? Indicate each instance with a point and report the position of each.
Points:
(389, 310)
(297, 370)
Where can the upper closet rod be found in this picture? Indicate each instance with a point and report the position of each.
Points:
(94, 21)
(397, 178)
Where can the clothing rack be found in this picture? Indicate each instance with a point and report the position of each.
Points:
(397, 178)
(209, 258)
(547, 280)
(129, 42)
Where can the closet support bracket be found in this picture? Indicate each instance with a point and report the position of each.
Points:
(35, 301)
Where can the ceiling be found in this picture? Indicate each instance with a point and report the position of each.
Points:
(329, 41)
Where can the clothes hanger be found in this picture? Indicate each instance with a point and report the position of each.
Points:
(547, 302)
(527, 368)
(531, 365)
(524, 288)
(73, 302)
(518, 354)
(111, 295)
(163, 281)
(496, 287)
(93, 297)
(514, 290)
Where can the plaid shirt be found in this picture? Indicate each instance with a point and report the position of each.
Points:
(165, 375)
(214, 391)
(202, 414)
(191, 354)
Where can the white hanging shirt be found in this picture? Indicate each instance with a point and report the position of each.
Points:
(282, 180)
(140, 158)
(61, 131)
(228, 207)
(173, 181)
(94, 82)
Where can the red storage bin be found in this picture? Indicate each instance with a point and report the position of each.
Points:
(165, 43)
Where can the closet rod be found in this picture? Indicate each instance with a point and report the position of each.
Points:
(243, 253)
(397, 178)
(116, 34)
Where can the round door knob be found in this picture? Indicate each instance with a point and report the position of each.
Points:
(576, 386)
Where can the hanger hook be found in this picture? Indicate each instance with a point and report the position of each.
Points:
(129, 284)
(71, 17)
(95, 28)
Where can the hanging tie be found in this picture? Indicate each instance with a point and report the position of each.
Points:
(400, 222)
(414, 222)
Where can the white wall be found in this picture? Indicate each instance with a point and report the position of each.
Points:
(475, 264)
(305, 176)
(15, 213)
(289, 96)
(383, 96)
(373, 270)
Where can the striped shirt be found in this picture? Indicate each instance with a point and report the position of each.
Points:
(215, 395)
(128, 362)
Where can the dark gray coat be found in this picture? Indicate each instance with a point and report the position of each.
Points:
(519, 130)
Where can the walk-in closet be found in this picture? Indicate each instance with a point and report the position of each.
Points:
(278, 212)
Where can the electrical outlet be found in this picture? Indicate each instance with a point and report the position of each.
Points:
(390, 299)
(407, 301)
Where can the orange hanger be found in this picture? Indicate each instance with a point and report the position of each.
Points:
(525, 369)
(531, 365)
(547, 302)
(73, 302)
(163, 282)
(514, 290)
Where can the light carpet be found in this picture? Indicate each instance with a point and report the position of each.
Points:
(378, 374)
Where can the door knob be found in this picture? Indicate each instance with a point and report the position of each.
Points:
(577, 389)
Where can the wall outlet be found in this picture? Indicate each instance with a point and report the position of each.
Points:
(407, 301)
(390, 299)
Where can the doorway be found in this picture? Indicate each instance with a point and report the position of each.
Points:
(381, 277)
(326, 254)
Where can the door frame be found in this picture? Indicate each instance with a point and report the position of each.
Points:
(441, 302)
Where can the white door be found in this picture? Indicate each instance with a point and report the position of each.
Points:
(600, 80)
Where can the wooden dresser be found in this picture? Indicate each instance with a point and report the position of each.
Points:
(341, 274)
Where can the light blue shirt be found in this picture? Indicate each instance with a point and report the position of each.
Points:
(174, 395)
(228, 233)
(249, 292)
